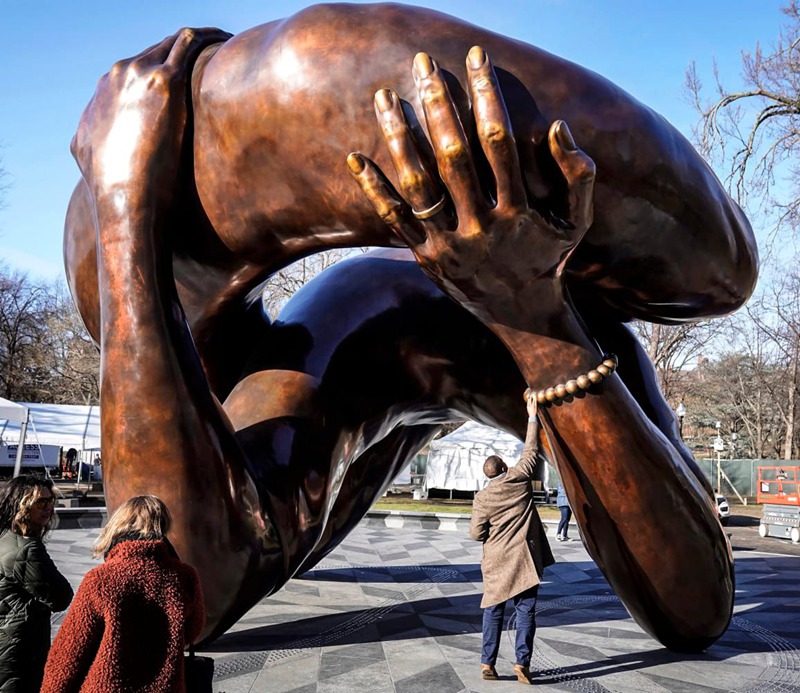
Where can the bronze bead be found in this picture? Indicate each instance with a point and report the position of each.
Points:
(583, 382)
(594, 376)
(561, 391)
(540, 398)
(610, 363)
(526, 394)
(604, 370)
(550, 394)
(572, 386)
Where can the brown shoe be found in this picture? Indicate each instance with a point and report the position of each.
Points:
(488, 672)
(523, 674)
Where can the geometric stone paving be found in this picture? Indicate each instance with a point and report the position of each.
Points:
(398, 610)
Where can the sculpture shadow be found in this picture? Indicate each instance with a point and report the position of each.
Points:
(743, 521)
(587, 607)
(466, 572)
(605, 665)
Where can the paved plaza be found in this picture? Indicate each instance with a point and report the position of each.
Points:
(397, 609)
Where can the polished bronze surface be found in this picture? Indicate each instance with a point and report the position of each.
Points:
(209, 162)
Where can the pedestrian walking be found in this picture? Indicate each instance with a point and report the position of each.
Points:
(566, 514)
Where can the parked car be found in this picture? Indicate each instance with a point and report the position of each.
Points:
(723, 509)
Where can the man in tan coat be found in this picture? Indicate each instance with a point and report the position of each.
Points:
(515, 551)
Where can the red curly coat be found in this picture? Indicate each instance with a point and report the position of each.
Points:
(128, 624)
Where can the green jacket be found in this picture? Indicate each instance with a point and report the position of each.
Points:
(31, 588)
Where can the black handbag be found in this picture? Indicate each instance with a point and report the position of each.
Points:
(199, 672)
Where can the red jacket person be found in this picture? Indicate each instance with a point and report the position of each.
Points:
(132, 616)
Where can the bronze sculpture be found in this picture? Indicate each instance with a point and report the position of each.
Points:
(209, 163)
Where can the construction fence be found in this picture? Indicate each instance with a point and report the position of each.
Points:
(742, 474)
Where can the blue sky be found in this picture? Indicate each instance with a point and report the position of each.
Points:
(55, 50)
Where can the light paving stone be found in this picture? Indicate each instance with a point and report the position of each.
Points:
(374, 677)
(239, 684)
(292, 674)
(410, 657)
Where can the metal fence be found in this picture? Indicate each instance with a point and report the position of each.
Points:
(743, 474)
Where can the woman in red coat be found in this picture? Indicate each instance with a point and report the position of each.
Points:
(132, 616)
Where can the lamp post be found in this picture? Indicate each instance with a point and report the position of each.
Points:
(680, 410)
(719, 446)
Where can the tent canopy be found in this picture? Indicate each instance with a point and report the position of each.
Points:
(11, 411)
(456, 461)
(69, 425)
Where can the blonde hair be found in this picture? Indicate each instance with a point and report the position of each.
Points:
(140, 517)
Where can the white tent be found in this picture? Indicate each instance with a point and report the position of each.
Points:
(15, 413)
(67, 425)
(403, 478)
(11, 411)
(38, 430)
(456, 461)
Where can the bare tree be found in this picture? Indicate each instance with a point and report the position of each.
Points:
(753, 132)
(738, 392)
(45, 353)
(674, 349)
(23, 303)
(281, 286)
(776, 313)
(71, 359)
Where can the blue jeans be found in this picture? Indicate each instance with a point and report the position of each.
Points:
(563, 525)
(525, 605)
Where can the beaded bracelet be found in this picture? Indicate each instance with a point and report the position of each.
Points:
(552, 395)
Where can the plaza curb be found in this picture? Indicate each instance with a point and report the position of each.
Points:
(448, 522)
(80, 518)
(86, 518)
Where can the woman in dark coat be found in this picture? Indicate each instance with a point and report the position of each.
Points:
(132, 616)
(31, 588)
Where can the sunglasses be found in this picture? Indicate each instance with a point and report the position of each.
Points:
(43, 503)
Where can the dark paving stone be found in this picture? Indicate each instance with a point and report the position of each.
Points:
(298, 587)
(394, 626)
(429, 523)
(574, 650)
(396, 556)
(458, 642)
(310, 688)
(332, 665)
(456, 553)
(414, 545)
(441, 679)
(357, 549)
(381, 592)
